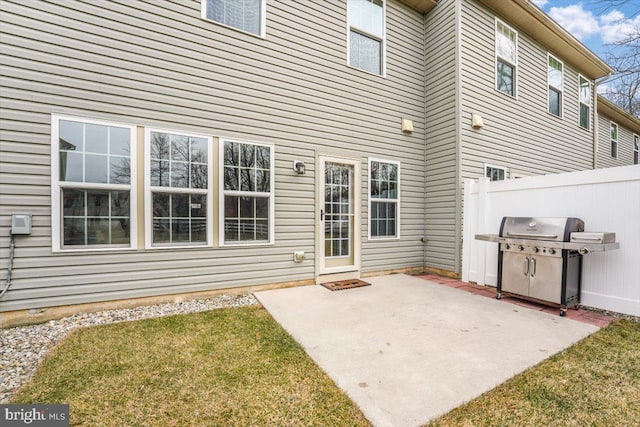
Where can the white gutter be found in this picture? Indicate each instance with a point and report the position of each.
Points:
(595, 118)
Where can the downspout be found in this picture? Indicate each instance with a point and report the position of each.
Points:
(458, 136)
(595, 118)
(424, 146)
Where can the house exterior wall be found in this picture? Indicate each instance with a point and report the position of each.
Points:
(518, 132)
(158, 64)
(441, 133)
(625, 144)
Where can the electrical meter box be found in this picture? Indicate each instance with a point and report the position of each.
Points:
(20, 223)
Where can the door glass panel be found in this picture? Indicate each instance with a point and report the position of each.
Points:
(338, 193)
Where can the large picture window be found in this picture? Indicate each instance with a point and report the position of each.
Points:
(555, 82)
(366, 35)
(244, 15)
(584, 95)
(247, 197)
(384, 195)
(178, 189)
(93, 163)
(506, 58)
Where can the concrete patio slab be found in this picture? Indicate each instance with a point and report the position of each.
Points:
(407, 350)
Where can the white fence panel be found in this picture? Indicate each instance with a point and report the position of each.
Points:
(606, 199)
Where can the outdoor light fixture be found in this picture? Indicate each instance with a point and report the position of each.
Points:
(406, 125)
(476, 121)
(299, 167)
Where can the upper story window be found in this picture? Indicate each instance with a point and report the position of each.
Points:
(506, 58)
(636, 149)
(366, 21)
(244, 15)
(93, 170)
(384, 195)
(178, 191)
(247, 205)
(555, 82)
(495, 173)
(584, 95)
(614, 140)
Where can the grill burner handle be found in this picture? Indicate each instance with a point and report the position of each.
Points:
(532, 235)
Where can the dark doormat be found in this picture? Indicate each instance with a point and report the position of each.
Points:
(345, 284)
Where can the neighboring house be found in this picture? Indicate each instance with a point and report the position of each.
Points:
(527, 83)
(618, 136)
(174, 147)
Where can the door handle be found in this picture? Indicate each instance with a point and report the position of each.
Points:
(533, 266)
(321, 214)
(526, 266)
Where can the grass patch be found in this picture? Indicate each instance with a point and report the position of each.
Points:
(223, 367)
(595, 382)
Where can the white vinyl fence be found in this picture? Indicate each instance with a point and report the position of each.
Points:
(606, 199)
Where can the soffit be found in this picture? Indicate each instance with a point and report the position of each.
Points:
(530, 19)
(422, 6)
(618, 115)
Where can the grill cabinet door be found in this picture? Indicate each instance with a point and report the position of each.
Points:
(546, 278)
(515, 273)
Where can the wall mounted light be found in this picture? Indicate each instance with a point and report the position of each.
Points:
(476, 121)
(407, 125)
(299, 167)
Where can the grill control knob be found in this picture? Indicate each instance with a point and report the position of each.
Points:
(536, 249)
(552, 251)
(521, 248)
(507, 246)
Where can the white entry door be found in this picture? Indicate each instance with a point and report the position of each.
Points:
(339, 225)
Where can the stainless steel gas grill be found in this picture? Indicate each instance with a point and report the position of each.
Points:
(541, 258)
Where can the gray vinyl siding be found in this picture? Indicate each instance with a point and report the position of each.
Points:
(441, 152)
(625, 144)
(158, 64)
(518, 133)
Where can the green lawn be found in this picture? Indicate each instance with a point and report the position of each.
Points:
(223, 367)
(239, 367)
(593, 383)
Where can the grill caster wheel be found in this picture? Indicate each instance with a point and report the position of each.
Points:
(563, 312)
(499, 295)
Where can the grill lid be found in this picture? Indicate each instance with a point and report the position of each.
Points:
(540, 228)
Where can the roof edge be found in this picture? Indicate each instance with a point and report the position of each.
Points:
(618, 115)
(422, 6)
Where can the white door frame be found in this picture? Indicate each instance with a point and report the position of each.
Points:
(321, 269)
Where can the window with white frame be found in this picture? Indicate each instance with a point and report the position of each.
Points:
(366, 21)
(495, 173)
(636, 149)
(244, 15)
(614, 140)
(384, 194)
(555, 82)
(506, 58)
(584, 95)
(93, 171)
(178, 188)
(247, 197)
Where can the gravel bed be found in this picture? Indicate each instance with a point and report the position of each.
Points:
(22, 347)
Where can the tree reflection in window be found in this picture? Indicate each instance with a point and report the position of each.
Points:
(179, 169)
